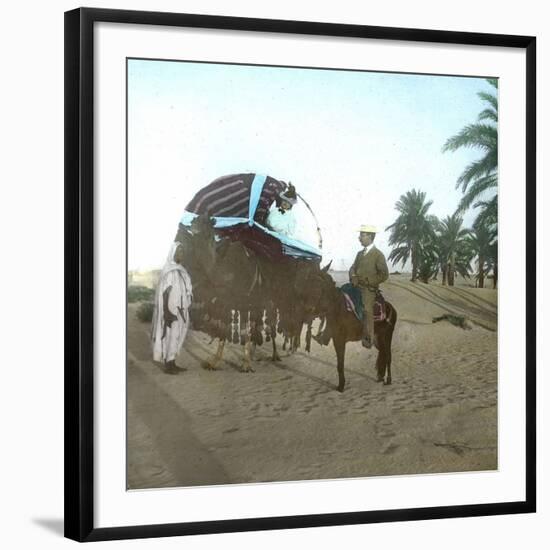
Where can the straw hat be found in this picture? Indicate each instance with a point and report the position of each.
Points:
(368, 229)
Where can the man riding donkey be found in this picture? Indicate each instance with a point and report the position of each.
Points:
(368, 271)
(366, 274)
(357, 311)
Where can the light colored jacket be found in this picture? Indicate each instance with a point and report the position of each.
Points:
(370, 268)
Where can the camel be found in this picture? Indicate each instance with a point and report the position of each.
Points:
(238, 292)
(343, 326)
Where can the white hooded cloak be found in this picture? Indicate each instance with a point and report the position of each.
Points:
(168, 337)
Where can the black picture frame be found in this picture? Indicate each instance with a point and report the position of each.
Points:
(79, 269)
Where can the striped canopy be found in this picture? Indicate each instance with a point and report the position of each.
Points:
(238, 204)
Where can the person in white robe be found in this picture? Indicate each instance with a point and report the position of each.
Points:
(281, 217)
(171, 315)
(284, 223)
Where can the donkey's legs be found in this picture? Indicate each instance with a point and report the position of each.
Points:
(380, 338)
(388, 361)
(383, 361)
(340, 347)
(212, 364)
(380, 365)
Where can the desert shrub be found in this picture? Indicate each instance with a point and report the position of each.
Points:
(456, 320)
(140, 294)
(145, 312)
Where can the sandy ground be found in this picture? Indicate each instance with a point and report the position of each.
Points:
(286, 421)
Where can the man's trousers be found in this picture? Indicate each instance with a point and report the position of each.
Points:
(369, 298)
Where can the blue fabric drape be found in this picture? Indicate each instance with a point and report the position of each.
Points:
(255, 193)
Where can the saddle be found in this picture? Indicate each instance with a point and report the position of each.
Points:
(379, 307)
(354, 302)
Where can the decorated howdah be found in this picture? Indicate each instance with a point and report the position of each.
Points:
(240, 206)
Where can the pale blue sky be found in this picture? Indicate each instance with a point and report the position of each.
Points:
(351, 142)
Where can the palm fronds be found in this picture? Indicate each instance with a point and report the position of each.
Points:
(476, 190)
(411, 230)
(479, 176)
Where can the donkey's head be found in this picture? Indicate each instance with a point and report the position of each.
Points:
(317, 290)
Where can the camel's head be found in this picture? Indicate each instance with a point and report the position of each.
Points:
(204, 240)
(203, 226)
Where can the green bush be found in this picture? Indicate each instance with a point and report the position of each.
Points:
(145, 312)
(139, 294)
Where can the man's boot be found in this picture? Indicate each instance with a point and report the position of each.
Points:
(366, 341)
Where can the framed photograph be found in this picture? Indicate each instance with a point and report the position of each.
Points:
(300, 274)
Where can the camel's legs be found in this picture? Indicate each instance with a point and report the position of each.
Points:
(295, 343)
(275, 356)
(212, 364)
(253, 352)
(322, 325)
(246, 341)
(247, 357)
(308, 337)
(291, 345)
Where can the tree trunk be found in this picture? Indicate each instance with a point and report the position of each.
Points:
(495, 275)
(444, 274)
(451, 275)
(481, 274)
(414, 264)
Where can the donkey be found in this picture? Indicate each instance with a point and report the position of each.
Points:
(343, 326)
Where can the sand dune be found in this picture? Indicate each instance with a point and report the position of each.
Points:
(286, 421)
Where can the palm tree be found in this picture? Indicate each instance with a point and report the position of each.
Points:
(453, 253)
(493, 260)
(481, 175)
(428, 263)
(489, 212)
(489, 217)
(482, 243)
(411, 230)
